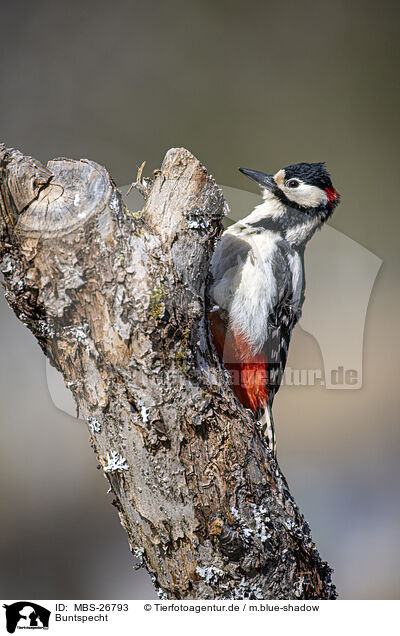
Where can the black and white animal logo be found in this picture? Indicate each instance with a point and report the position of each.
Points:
(26, 615)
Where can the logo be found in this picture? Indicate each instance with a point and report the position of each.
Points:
(26, 615)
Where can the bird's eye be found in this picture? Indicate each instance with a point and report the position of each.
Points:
(292, 183)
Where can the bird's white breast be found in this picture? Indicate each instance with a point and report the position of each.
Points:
(244, 282)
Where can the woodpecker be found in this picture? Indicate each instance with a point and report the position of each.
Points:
(258, 283)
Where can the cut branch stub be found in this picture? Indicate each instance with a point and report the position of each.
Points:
(117, 301)
(73, 193)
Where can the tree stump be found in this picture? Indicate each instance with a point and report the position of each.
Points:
(118, 302)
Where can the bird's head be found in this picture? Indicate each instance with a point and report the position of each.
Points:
(304, 186)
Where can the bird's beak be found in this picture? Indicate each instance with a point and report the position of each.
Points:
(264, 180)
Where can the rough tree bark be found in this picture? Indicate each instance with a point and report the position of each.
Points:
(117, 301)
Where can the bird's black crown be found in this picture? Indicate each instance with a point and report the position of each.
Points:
(313, 173)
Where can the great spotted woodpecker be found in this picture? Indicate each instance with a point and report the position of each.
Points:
(258, 281)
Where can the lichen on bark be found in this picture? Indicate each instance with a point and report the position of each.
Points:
(117, 300)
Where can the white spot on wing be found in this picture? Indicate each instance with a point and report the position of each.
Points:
(296, 268)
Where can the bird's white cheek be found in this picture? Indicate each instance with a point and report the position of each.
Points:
(307, 195)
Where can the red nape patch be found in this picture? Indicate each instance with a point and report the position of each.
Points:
(248, 372)
(332, 195)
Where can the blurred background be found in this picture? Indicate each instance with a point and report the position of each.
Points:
(256, 84)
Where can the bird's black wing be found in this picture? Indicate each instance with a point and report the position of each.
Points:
(285, 317)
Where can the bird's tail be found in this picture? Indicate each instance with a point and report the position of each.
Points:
(267, 426)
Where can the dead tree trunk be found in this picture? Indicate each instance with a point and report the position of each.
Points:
(117, 301)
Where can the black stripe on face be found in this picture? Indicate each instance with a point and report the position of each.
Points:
(273, 224)
(279, 224)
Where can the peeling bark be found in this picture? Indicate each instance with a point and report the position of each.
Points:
(117, 301)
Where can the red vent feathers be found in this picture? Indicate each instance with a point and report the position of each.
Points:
(248, 372)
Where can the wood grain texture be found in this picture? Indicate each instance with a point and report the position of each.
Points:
(117, 300)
